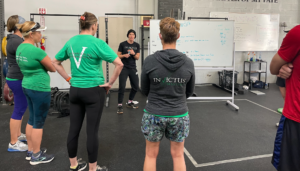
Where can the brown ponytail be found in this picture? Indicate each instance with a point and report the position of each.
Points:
(11, 23)
(87, 20)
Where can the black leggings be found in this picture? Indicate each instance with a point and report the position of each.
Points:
(91, 102)
(134, 82)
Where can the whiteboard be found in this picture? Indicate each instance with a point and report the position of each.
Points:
(207, 43)
(253, 32)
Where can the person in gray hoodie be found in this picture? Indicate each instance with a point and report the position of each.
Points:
(14, 81)
(168, 79)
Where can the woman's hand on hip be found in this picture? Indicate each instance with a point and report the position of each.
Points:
(107, 87)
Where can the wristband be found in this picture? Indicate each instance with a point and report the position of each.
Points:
(68, 79)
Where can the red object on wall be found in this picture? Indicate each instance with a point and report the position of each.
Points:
(146, 23)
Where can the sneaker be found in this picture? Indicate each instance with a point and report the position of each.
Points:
(29, 153)
(135, 102)
(101, 168)
(277, 124)
(132, 105)
(120, 110)
(43, 158)
(81, 166)
(22, 137)
(18, 147)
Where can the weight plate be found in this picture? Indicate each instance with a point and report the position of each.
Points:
(4, 43)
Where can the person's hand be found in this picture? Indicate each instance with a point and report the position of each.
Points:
(69, 80)
(285, 71)
(107, 87)
(126, 55)
(132, 52)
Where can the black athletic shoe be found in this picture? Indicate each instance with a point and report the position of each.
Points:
(81, 166)
(132, 105)
(120, 110)
(43, 158)
(29, 153)
(103, 168)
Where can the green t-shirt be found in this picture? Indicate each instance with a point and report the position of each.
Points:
(29, 59)
(86, 54)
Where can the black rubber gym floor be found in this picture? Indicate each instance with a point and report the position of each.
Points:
(218, 133)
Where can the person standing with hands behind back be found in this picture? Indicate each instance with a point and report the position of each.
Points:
(129, 52)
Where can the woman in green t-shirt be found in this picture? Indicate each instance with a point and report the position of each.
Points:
(35, 64)
(88, 87)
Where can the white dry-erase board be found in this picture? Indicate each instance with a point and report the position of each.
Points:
(253, 32)
(207, 43)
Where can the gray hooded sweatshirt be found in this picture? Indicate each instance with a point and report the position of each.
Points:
(168, 79)
(13, 42)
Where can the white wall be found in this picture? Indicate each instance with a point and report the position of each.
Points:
(61, 29)
(289, 11)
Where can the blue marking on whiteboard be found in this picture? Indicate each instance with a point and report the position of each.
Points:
(208, 59)
(183, 52)
(182, 37)
(186, 40)
(202, 54)
(197, 51)
(185, 24)
(212, 55)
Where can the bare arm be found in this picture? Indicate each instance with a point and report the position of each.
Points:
(60, 69)
(137, 56)
(122, 56)
(276, 63)
(286, 71)
(46, 62)
(118, 68)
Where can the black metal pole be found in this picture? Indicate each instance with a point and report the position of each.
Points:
(98, 32)
(106, 35)
(57, 15)
(2, 31)
(143, 45)
(189, 18)
(65, 15)
(79, 25)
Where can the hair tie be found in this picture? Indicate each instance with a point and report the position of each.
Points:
(83, 18)
(21, 30)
